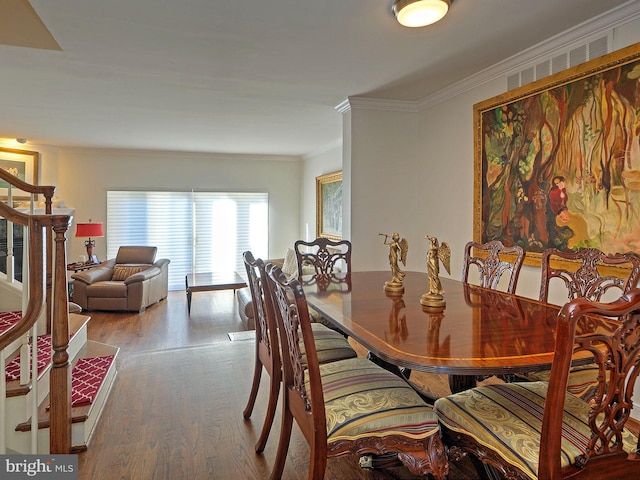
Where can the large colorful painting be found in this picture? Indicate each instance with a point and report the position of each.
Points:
(557, 162)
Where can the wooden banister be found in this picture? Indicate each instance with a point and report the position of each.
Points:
(46, 190)
(47, 266)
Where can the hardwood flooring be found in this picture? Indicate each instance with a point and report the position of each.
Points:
(175, 411)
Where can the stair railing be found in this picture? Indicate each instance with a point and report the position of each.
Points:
(45, 292)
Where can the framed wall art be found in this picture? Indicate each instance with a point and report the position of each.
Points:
(329, 206)
(557, 162)
(21, 163)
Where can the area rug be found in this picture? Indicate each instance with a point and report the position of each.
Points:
(241, 336)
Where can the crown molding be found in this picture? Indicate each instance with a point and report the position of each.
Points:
(599, 25)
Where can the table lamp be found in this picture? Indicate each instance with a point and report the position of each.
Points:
(89, 230)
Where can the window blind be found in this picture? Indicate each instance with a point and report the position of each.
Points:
(198, 231)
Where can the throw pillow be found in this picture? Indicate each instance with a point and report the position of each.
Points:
(122, 272)
(290, 265)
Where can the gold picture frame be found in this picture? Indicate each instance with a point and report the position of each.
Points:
(329, 205)
(557, 161)
(21, 163)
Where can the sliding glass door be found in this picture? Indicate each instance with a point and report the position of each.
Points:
(197, 231)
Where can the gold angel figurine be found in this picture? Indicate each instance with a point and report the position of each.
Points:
(398, 249)
(437, 253)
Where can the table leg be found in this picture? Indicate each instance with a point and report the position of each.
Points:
(186, 282)
(459, 383)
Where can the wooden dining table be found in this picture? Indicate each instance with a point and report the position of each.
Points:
(479, 331)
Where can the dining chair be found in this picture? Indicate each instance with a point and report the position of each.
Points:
(330, 345)
(493, 259)
(583, 273)
(319, 261)
(539, 430)
(349, 406)
(323, 256)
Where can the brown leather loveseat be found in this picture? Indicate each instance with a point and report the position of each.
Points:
(130, 282)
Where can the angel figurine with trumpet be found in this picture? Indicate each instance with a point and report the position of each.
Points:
(437, 253)
(398, 249)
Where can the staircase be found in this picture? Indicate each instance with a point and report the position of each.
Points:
(94, 367)
(50, 404)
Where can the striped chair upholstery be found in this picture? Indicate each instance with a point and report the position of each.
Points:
(583, 380)
(347, 406)
(330, 345)
(363, 400)
(539, 430)
(507, 418)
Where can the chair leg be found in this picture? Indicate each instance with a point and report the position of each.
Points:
(274, 390)
(257, 375)
(283, 445)
(317, 464)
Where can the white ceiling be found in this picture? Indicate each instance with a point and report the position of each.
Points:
(241, 76)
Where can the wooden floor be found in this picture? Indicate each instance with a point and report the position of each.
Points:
(175, 411)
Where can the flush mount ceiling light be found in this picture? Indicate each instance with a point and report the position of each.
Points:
(419, 13)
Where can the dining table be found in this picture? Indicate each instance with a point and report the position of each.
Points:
(478, 332)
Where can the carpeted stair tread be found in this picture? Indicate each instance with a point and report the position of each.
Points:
(12, 372)
(8, 319)
(87, 377)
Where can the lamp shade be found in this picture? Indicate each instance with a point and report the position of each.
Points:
(419, 13)
(89, 230)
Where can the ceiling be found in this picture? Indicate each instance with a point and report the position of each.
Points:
(240, 76)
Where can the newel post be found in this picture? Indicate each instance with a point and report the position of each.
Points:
(60, 410)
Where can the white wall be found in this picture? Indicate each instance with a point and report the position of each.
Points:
(83, 176)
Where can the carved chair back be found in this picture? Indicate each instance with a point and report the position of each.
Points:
(617, 355)
(493, 259)
(323, 256)
(586, 280)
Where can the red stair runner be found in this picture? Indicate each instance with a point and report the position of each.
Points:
(87, 377)
(44, 358)
(8, 319)
(87, 374)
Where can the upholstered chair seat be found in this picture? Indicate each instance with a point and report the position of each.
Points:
(507, 418)
(330, 345)
(583, 380)
(540, 430)
(362, 400)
